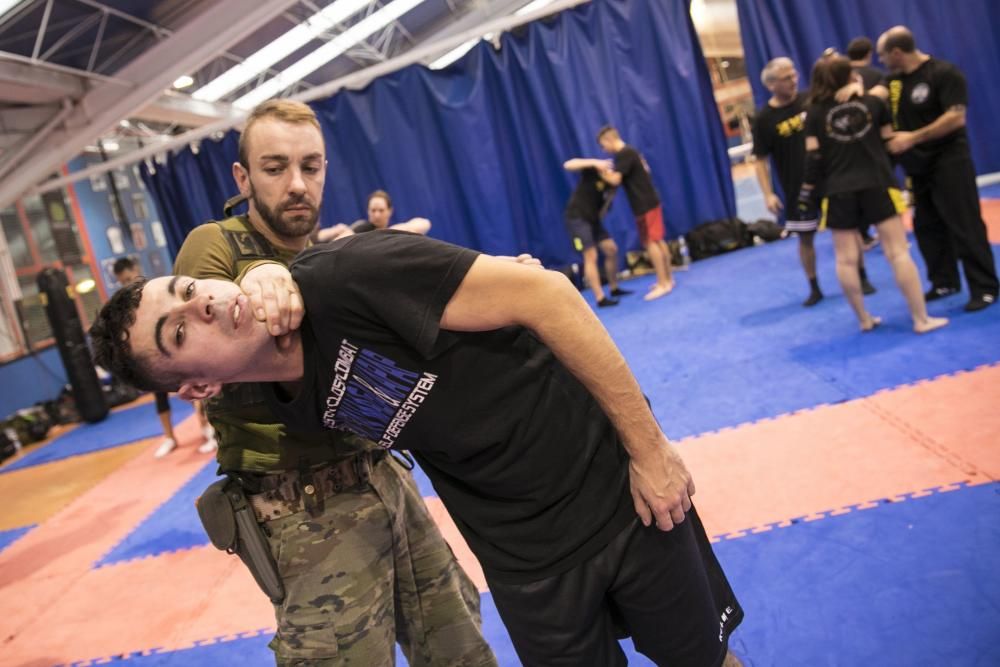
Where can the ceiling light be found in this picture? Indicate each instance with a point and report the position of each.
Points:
(291, 41)
(324, 54)
(183, 81)
(532, 6)
(454, 54)
(110, 145)
(86, 285)
(7, 5)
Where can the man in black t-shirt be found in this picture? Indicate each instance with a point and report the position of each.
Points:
(504, 385)
(860, 53)
(778, 133)
(928, 98)
(631, 171)
(587, 206)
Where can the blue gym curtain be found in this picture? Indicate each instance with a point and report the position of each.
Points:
(965, 32)
(478, 148)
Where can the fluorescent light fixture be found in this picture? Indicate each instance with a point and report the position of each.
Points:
(454, 54)
(7, 5)
(111, 145)
(324, 54)
(86, 285)
(532, 6)
(183, 81)
(287, 43)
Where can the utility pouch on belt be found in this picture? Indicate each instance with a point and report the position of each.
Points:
(232, 527)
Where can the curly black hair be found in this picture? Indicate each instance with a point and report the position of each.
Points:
(110, 340)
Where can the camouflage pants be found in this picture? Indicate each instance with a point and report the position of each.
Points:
(371, 570)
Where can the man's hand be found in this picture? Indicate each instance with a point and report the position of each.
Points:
(661, 487)
(774, 203)
(523, 258)
(901, 142)
(848, 91)
(275, 299)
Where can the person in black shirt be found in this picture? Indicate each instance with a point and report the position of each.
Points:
(860, 52)
(928, 98)
(379, 217)
(584, 212)
(778, 133)
(631, 171)
(505, 386)
(846, 158)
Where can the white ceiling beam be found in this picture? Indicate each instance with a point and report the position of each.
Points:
(357, 79)
(180, 109)
(197, 42)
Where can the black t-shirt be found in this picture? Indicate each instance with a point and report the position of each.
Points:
(361, 226)
(642, 196)
(589, 198)
(778, 132)
(518, 450)
(851, 144)
(918, 99)
(870, 76)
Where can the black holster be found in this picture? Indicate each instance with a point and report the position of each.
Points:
(232, 527)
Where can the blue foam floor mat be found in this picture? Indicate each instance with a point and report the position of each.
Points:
(911, 583)
(8, 537)
(172, 526)
(990, 191)
(769, 355)
(902, 584)
(118, 428)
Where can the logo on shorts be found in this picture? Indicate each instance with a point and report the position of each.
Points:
(919, 93)
(722, 622)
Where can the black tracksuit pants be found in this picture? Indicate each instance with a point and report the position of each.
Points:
(949, 227)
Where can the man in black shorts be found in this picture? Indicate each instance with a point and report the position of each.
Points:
(927, 98)
(586, 208)
(505, 386)
(778, 133)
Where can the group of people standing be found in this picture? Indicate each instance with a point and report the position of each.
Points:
(833, 149)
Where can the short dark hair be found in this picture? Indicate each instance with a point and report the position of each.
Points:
(379, 193)
(859, 48)
(605, 129)
(123, 264)
(109, 337)
(899, 39)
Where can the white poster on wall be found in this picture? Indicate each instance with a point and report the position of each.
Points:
(98, 183)
(115, 240)
(159, 238)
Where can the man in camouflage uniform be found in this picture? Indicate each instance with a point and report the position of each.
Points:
(362, 563)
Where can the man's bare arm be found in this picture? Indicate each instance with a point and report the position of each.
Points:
(414, 225)
(763, 171)
(581, 163)
(497, 293)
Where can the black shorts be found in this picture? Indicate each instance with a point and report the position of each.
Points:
(860, 208)
(162, 402)
(665, 590)
(585, 234)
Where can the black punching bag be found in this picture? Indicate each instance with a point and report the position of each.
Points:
(68, 331)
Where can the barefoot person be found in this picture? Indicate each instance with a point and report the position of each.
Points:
(631, 171)
(846, 159)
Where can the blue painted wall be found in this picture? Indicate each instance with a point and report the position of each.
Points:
(25, 382)
(95, 206)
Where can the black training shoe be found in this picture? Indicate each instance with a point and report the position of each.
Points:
(867, 288)
(814, 298)
(935, 293)
(980, 302)
(618, 291)
(607, 301)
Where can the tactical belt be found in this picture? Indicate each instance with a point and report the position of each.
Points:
(286, 493)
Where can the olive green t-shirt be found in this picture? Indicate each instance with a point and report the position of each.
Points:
(250, 437)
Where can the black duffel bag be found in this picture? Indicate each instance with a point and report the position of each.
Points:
(718, 236)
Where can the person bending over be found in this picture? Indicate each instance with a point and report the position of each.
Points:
(587, 206)
(127, 271)
(516, 402)
(845, 158)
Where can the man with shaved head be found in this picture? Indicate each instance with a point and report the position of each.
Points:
(927, 98)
